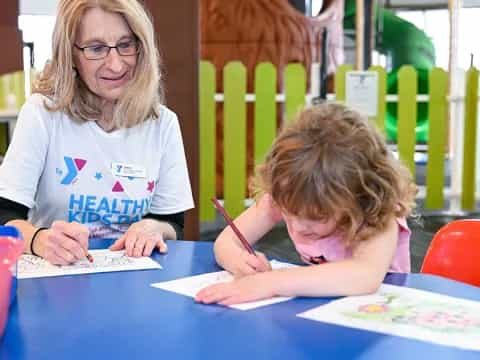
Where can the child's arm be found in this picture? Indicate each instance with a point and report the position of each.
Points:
(253, 223)
(359, 275)
(362, 274)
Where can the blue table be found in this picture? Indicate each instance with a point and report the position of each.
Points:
(120, 316)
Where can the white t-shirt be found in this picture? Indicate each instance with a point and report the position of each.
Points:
(75, 171)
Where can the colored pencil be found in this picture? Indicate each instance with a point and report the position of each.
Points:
(237, 232)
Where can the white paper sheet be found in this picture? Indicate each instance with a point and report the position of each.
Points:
(407, 312)
(30, 266)
(191, 285)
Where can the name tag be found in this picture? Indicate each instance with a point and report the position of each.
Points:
(128, 170)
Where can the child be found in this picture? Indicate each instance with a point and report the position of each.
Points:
(344, 199)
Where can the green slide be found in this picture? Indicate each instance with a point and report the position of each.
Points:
(403, 44)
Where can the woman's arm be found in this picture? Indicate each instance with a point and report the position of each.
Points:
(61, 244)
(176, 222)
(151, 232)
(144, 236)
(15, 214)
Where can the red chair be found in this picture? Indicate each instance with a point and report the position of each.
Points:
(455, 252)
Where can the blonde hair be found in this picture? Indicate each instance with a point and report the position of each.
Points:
(69, 93)
(331, 162)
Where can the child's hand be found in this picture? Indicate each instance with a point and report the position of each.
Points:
(248, 288)
(248, 264)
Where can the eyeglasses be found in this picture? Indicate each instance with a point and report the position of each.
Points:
(101, 51)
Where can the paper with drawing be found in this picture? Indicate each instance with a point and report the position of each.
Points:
(30, 266)
(407, 312)
(190, 286)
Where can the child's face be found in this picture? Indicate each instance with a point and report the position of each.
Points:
(307, 230)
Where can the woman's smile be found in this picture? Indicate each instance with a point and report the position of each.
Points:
(116, 80)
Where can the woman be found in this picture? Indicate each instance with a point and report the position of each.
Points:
(94, 153)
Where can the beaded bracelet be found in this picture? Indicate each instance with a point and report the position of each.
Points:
(33, 238)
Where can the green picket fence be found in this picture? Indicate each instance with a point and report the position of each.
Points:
(265, 99)
(12, 97)
(12, 90)
(234, 126)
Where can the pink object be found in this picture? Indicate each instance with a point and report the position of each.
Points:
(117, 187)
(332, 249)
(80, 163)
(11, 247)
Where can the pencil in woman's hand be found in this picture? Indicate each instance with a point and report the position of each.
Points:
(237, 232)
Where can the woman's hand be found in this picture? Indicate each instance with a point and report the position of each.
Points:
(248, 288)
(64, 243)
(141, 238)
(244, 263)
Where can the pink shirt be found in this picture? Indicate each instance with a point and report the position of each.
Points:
(332, 249)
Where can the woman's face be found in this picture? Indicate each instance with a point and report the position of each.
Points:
(107, 77)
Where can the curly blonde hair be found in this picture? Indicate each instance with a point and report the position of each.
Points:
(69, 93)
(332, 162)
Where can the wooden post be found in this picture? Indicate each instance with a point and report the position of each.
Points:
(359, 34)
(369, 32)
(177, 26)
(11, 60)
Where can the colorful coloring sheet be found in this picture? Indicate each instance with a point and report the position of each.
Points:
(190, 286)
(30, 266)
(407, 312)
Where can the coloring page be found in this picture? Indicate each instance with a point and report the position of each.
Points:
(191, 285)
(30, 266)
(407, 312)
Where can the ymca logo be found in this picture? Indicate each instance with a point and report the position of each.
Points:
(73, 167)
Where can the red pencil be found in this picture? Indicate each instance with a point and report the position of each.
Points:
(237, 232)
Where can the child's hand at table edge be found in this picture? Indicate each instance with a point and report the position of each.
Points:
(248, 288)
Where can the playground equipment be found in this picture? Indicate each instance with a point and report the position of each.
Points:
(254, 31)
(403, 44)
